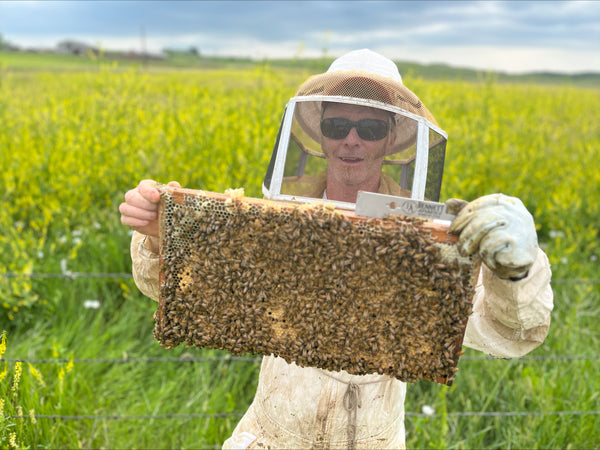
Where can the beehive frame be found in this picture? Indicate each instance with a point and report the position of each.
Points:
(315, 285)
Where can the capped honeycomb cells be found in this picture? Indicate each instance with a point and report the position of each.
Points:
(312, 284)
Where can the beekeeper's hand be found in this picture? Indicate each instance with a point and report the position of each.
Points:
(500, 229)
(140, 209)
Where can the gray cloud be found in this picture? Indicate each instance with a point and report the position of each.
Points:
(427, 30)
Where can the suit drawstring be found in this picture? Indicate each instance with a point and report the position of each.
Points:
(352, 403)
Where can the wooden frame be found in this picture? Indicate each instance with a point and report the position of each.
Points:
(316, 285)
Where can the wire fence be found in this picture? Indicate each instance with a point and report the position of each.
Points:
(108, 275)
(67, 274)
(192, 359)
(122, 275)
(239, 415)
(242, 359)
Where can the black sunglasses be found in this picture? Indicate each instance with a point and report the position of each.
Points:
(367, 129)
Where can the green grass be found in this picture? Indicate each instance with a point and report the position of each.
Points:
(73, 141)
(123, 329)
(118, 331)
(544, 385)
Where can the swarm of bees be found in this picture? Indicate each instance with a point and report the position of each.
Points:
(312, 284)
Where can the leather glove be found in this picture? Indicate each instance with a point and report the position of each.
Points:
(500, 229)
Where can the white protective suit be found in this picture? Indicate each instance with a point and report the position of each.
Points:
(297, 407)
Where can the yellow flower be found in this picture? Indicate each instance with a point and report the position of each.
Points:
(17, 377)
(4, 372)
(63, 371)
(12, 440)
(37, 375)
(61, 375)
(2, 344)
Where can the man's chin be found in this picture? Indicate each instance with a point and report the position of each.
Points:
(350, 176)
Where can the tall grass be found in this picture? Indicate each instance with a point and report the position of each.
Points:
(72, 144)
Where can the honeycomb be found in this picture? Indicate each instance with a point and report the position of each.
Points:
(315, 285)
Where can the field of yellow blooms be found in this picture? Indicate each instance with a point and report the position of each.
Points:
(73, 142)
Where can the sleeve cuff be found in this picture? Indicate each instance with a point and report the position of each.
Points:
(145, 267)
(143, 249)
(520, 304)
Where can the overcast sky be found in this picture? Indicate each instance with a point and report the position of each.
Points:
(511, 36)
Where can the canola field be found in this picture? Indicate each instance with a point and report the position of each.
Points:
(73, 142)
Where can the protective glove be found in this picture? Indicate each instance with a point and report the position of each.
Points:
(500, 229)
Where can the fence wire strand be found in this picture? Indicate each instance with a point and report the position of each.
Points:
(121, 275)
(258, 359)
(68, 275)
(239, 415)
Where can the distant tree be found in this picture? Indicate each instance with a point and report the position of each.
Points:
(4, 44)
(193, 51)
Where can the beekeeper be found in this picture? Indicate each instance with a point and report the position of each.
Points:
(297, 407)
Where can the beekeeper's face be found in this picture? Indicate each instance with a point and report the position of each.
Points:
(355, 139)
